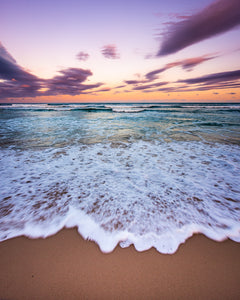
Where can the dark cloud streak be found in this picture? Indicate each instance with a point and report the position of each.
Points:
(150, 86)
(218, 17)
(213, 78)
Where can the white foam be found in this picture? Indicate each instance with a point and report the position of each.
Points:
(126, 108)
(146, 194)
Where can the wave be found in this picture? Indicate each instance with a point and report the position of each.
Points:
(149, 194)
(124, 107)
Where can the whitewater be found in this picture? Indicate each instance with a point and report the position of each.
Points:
(151, 175)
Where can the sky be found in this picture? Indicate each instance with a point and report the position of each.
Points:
(119, 51)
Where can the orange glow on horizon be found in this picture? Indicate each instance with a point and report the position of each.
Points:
(111, 96)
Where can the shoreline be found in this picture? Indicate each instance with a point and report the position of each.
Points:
(65, 266)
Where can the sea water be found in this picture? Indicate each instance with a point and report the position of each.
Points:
(151, 175)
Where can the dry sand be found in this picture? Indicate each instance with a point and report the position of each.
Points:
(65, 266)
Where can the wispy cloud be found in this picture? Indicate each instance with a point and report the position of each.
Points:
(134, 81)
(144, 85)
(106, 89)
(150, 76)
(218, 17)
(83, 56)
(187, 64)
(215, 81)
(110, 51)
(214, 78)
(149, 86)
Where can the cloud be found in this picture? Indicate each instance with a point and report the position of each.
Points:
(120, 86)
(214, 78)
(153, 74)
(216, 81)
(18, 83)
(187, 64)
(134, 81)
(218, 17)
(17, 90)
(110, 51)
(150, 86)
(83, 56)
(10, 70)
(4, 55)
(70, 82)
(169, 89)
(178, 16)
(106, 89)
(143, 85)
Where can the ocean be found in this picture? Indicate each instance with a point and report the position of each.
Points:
(151, 175)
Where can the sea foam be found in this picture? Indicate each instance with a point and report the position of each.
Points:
(150, 194)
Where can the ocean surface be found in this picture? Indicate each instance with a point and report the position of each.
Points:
(151, 175)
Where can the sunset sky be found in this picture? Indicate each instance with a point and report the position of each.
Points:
(113, 51)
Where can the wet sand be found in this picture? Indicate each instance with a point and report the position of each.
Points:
(65, 266)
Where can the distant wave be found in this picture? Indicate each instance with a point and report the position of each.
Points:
(121, 107)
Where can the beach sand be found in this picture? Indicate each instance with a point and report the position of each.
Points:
(65, 266)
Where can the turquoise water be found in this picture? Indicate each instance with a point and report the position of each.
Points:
(147, 174)
(33, 126)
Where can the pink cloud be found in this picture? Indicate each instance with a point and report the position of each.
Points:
(83, 56)
(187, 64)
(110, 51)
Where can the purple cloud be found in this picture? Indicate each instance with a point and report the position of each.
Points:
(83, 56)
(106, 89)
(120, 86)
(18, 83)
(150, 76)
(150, 86)
(110, 51)
(10, 70)
(208, 87)
(187, 64)
(214, 78)
(218, 17)
(216, 81)
(134, 81)
(4, 55)
(69, 82)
